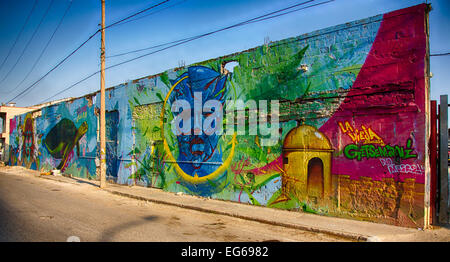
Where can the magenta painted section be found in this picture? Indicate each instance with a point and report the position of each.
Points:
(395, 63)
(12, 125)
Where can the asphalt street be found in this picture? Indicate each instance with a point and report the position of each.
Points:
(37, 209)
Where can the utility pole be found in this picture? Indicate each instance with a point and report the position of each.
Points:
(102, 105)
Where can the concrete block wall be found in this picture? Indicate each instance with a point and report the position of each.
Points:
(352, 113)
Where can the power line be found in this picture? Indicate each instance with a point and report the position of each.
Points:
(180, 42)
(152, 13)
(80, 81)
(253, 20)
(135, 14)
(443, 54)
(73, 52)
(151, 47)
(291, 11)
(51, 70)
(29, 42)
(46, 46)
(20, 33)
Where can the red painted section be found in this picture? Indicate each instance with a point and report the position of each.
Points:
(388, 96)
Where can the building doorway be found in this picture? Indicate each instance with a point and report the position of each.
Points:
(315, 178)
(112, 125)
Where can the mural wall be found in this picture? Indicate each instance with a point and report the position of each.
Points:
(349, 141)
(62, 137)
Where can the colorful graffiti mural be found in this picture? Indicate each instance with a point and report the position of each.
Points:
(350, 136)
(198, 152)
(62, 139)
(27, 146)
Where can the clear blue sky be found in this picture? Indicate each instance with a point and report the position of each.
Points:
(186, 18)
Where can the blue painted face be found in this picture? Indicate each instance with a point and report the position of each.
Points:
(198, 154)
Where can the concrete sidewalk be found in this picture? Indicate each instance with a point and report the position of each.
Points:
(351, 229)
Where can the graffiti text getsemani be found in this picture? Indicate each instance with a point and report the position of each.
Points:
(359, 152)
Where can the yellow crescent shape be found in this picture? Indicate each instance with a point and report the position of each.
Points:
(193, 179)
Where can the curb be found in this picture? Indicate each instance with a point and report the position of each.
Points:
(337, 233)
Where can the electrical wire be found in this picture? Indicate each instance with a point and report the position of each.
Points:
(20, 33)
(443, 54)
(253, 20)
(180, 42)
(45, 48)
(135, 14)
(78, 48)
(216, 31)
(240, 24)
(292, 11)
(29, 41)
(56, 66)
(152, 13)
(149, 48)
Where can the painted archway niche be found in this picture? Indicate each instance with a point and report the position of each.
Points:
(307, 156)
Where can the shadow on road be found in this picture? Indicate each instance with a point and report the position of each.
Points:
(10, 224)
(110, 234)
(83, 181)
